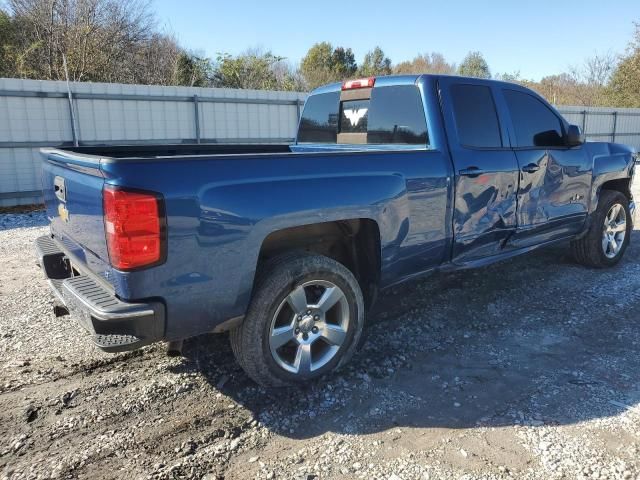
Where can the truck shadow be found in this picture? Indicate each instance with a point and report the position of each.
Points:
(536, 340)
(22, 219)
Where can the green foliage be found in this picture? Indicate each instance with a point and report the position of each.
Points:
(7, 45)
(323, 64)
(624, 87)
(513, 77)
(257, 70)
(193, 71)
(343, 62)
(250, 70)
(375, 63)
(474, 65)
(426, 63)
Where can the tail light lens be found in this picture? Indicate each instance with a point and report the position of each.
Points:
(135, 228)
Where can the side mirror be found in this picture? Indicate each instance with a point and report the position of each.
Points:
(574, 136)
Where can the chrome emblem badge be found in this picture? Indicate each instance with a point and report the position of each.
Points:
(63, 212)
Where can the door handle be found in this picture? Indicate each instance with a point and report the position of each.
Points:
(471, 171)
(531, 168)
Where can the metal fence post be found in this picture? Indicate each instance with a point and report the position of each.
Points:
(72, 118)
(615, 125)
(70, 96)
(584, 122)
(196, 111)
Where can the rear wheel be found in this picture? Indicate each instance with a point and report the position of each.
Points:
(304, 320)
(609, 232)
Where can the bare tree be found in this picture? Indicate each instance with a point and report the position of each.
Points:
(103, 40)
(588, 81)
(598, 69)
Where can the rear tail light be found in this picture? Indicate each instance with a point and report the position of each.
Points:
(134, 225)
(359, 83)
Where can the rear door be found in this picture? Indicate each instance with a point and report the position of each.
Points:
(486, 169)
(555, 180)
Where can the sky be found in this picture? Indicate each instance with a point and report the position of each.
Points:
(534, 38)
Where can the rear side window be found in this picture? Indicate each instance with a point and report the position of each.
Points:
(319, 123)
(534, 123)
(476, 117)
(392, 115)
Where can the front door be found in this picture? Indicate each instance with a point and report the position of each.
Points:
(554, 180)
(486, 170)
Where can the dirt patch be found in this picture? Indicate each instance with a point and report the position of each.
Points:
(22, 208)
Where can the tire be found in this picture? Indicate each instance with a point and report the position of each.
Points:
(292, 303)
(593, 249)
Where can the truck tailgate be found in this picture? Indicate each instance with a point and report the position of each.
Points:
(72, 190)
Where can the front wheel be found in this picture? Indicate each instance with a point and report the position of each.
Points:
(304, 320)
(609, 232)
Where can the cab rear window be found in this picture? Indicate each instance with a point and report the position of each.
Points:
(393, 115)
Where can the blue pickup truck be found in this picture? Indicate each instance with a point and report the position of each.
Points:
(286, 246)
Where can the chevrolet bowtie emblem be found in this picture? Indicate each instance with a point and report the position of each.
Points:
(63, 212)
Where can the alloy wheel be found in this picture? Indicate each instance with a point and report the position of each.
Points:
(614, 231)
(309, 327)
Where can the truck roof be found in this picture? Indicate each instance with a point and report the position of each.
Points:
(389, 80)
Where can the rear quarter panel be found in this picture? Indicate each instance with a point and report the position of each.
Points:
(218, 216)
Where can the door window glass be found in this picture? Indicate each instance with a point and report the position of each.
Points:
(534, 123)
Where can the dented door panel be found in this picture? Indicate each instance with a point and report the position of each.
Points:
(554, 199)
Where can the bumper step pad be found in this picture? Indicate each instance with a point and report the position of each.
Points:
(103, 304)
(110, 318)
(116, 343)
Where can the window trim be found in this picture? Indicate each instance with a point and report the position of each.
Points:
(369, 147)
(547, 106)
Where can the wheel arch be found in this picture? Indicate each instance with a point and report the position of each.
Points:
(613, 169)
(355, 243)
(622, 185)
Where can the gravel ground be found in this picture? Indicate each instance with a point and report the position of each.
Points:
(525, 369)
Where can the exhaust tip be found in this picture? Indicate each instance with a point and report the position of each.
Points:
(174, 349)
